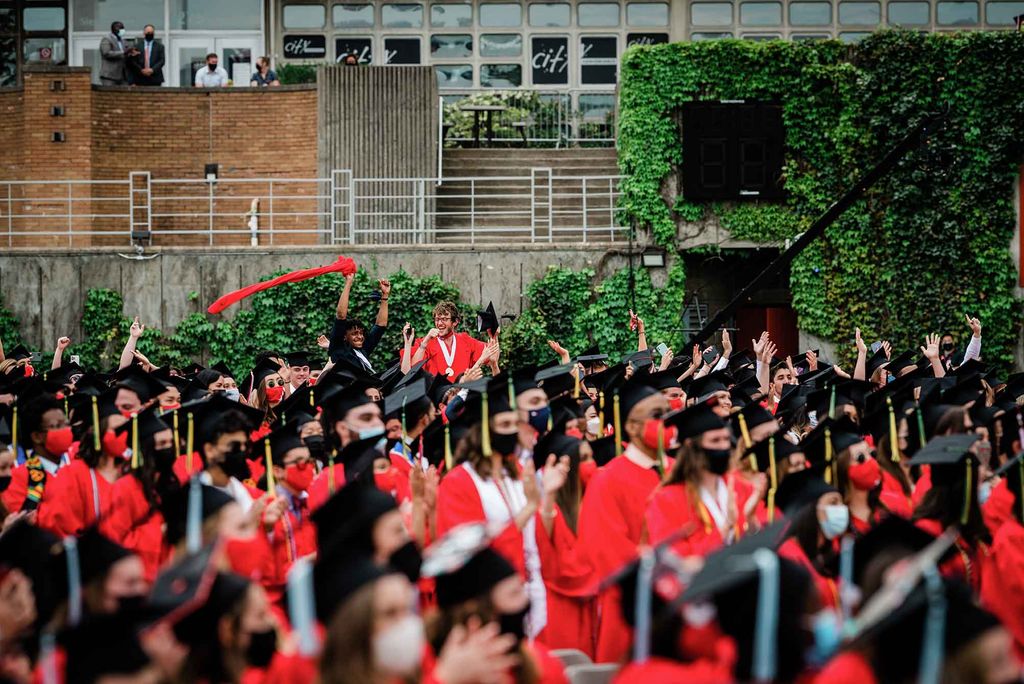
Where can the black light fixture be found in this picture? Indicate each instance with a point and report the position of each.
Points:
(653, 258)
(57, 136)
(210, 171)
(57, 110)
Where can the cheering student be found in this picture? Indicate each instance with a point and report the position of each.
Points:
(266, 388)
(350, 340)
(611, 521)
(47, 437)
(446, 352)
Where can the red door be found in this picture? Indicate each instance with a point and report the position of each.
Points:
(779, 321)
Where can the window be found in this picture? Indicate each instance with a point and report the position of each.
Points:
(48, 50)
(550, 60)
(501, 75)
(549, 14)
(451, 16)
(43, 19)
(956, 13)
(394, 15)
(404, 50)
(810, 13)
(761, 13)
(8, 61)
(1002, 13)
(302, 46)
(454, 75)
(445, 46)
(8, 20)
(709, 36)
(809, 36)
(501, 45)
(349, 45)
(853, 36)
(761, 37)
(645, 39)
(98, 15)
(352, 16)
(591, 14)
(295, 16)
(860, 13)
(711, 14)
(222, 14)
(501, 14)
(909, 13)
(647, 14)
(598, 60)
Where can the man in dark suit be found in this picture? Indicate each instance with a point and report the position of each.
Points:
(149, 62)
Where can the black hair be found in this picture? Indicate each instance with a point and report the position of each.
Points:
(114, 25)
(226, 423)
(266, 353)
(207, 377)
(413, 411)
(31, 416)
(944, 502)
(805, 530)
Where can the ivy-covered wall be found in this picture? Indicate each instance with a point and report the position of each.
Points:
(927, 244)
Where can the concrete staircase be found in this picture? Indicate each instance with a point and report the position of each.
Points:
(502, 195)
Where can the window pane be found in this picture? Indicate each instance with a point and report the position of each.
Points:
(401, 16)
(451, 16)
(909, 13)
(454, 75)
(352, 16)
(501, 45)
(499, 14)
(8, 20)
(402, 50)
(599, 59)
(761, 37)
(222, 14)
(597, 14)
(709, 36)
(647, 14)
(97, 15)
(956, 13)
(711, 14)
(501, 75)
(853, 36)
(1002, 13)
(645, 39)
(549, 14)
(859, 13)
(761, 13)
(49, 50)
(550, 62)
(444, 46)
(9, 62)
(809, 36)
(810, 13)
(362, 48)
(43, 19)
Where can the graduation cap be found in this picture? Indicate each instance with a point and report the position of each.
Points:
(591, 357)
(464, 578)
(794, 398)
(336, 577)
(901, 361)
(194, 368)
(337, 401)
(140, 382)
(409, 403)
(345, 521)
(891, 539)
(438, 387)
(415, 373)
(764, 457)
(174, 507)
(279, 442)
(487, 320)
(19, 352)
(5, 432)
(826, 441)
(556, 443)
(639, 359)
(702, 388)
(97, 554)
(742, 359)
(301, 402)
(963, 392)
(299, 358)
(742, 393)
(695, 420)
(951, 462)
(604, 450)
(223, 369)
(663, 380)
(800, 488)
(261, 371)
(142, 426)
(64, 372)
(875, 361)
(563, 410)
(802, 365)
(103, 647)
(747, 418)
(439, 442)
(40, 555)
(357, 458)
(556, 380)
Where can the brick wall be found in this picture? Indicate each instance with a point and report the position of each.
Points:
(171, 133)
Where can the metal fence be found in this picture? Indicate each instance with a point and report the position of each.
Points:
(342, 209)
(528, 118)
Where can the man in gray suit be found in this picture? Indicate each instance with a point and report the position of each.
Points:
(114, 55)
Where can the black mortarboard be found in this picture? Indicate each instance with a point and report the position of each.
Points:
(875, 361)
(497, 390)
(473, 579)
(663, 380)
(438, 388)
(827, 440)
(590, 356)
(64, 372)
(97, 553)
(336, 577)
(5, 431)
(415, 373)
(555, 443)
(143, 426)
(695, 420)
(742, 393)
(774, 447)
(487, 320)
(947, 455)
(299, 358)
(963, 392)
(223, 369)
(702, 388)
(40, 555)
(282, 440)
(193, 368)
(174, 508)
(346, 519)
(358, 457)
(301, 400)
(564, 409)
(749, 417)
(802, 365)
(555, 380)
(341, 400)
(440, 440)
(604, 450)
(263, 369)
(794, 398)
(799, 489)
(892, 535)
(405, 398)
(102, 646)
(901, 361)
(19, 352)
(639, 359)
(207, 412)
(140, 382)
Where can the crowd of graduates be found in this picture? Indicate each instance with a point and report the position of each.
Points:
(728, 516)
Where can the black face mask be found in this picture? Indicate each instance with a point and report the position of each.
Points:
(234, 465)
(149, 36)
(5, 482)
(212, 67)
(504, 444)
(315, 444)
(262, 647)
(514, 623)
(407, 560)
(947, 347)
(131, 605)
(165, 458)
(718, 460)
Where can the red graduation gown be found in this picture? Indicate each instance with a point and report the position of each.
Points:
(893, 497)
(135, 526)
(69, 505)
(571, 585)
(847, 667)
(14, 496)
(330, 480)
(294, 536)
(827, 588)
(1002, 581)
(966, 564)
(657, 670)
(671, 510)
(999, 507)
(611, 525)
(467, 351)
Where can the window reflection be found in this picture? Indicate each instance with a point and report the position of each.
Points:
(860, 13)
(761, 13)
(810, 13)
(908, 13)
(501, 45)
(956, 13)
(711, 14)
(451, 15)
(597, 14)
(447, 46)
(352, 16)
(500, 14)
(647, 14)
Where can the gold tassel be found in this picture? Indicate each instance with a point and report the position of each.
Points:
(967, 495)
(14, 428)
(512, 394)
(832, 404)
(576, 384)
(97, 445)
(828, 456)
(66, 414)
(449, 458)
(177, 433)
(136, 460)
(894, 437)
(485, 426)
(312, 401)
(271, 485)
(190, 446)
(773, 477)
(920, 427)
(661, 447)
(618, 425)
(744, 432)
(600, 413)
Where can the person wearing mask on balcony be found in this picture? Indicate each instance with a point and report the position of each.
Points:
(213, 76)
(114, 54)
(148, 63)
(264, 75)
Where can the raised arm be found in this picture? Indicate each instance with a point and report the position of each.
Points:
(58, 353)
(422, 349)
(974, 346)
(128, 353)
(931, 352)
(723, 361)
(408, 335)
(762, 351)
(342, 311)
(641, 331)
(860, 369)
(382, 312)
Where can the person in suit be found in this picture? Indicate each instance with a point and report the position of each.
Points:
(114, 55)
(149, 62)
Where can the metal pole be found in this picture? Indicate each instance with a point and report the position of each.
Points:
(611, 210)
(10, 216)
(209, 206)
(533, 205)
(351, 206)
(420, 209)
(472, 211)
(440, 139)
(271, 211)
(70, 213)
(584, 209)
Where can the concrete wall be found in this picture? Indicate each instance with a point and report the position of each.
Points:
(46, 288)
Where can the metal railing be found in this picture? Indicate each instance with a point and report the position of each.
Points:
(340, 209)
(529, 118)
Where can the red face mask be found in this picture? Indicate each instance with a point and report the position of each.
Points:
(113, 444)
(386, 481)
(865, 476)
(246, 556)
(675, 404)
(127, 414)
(651, 429)
(59, 441)
(299, 476)
(587, 470)
(29, 371)
(171, 407)
(275, 394)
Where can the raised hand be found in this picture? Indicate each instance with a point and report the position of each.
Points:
(323, 342)
(758, 345)
(859, 341)
(408, 333)
(696, 360)
(434, 332)
(63, 343)
(556, 471)
(430, 482)
(137, 329)
(561, 351)
(768, 353)
(475, 653)
(931, 348)
(385, 288)
(530, 489)
(887, 348)
(474, 373)
(666, 359)
(812, 360)
(726, 343)
(975, 325)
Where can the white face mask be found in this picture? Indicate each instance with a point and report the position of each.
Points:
(120, 33)
(837, 519)
(233, 394)
(398, 650)
(984, 491)
(593, 426)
